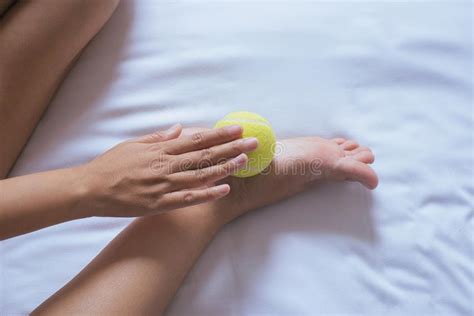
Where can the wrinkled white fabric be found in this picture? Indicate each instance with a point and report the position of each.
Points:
(394, 75)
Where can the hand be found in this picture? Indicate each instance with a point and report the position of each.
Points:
(161, 172)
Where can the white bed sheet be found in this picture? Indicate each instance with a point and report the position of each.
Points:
(395, 75)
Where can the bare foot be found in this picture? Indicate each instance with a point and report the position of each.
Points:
(299, 163)
(302, 162)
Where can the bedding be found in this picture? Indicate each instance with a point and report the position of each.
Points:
(394, 75)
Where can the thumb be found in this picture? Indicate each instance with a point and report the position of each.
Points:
(161, 136)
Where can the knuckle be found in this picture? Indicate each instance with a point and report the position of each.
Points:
(188, 197)
(182, 165)
(165, 184)
(206, 154)
(158, 165)
(155, 147)
(222, 133)
(200, 176)
(197, 138)
(155, 205)
(221, 160)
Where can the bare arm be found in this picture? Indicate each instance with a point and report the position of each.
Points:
(144, 176)
(39, 200)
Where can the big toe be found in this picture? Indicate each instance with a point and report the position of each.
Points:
(358, 171)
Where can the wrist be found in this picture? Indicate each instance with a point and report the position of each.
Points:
(82, 192)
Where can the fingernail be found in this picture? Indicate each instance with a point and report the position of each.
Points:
(172, 129)
(240, 159)
(221, 190)
(249, 144)
(234, 130)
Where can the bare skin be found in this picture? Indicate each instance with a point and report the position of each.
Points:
(154, 173)
(39, 42)
(139, 272)
(156, 253)
(305, 161)
(5, 5)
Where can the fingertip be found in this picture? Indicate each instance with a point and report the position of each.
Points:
(234, 130)
(240, 160)
(220, 191)
(249, 144)
(162, 136)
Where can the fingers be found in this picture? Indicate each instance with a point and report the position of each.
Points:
(161, 136)
(210, 156)
(180, 183)
(179, 199)
(202, 177)
(359, 171)
(201, 140)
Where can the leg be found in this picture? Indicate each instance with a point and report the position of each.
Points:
(5, 5)
(39, 41)
(139, 272)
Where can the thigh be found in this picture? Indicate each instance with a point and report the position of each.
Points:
(5, 5)
(39, 40)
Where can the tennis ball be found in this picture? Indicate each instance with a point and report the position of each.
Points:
(254, 126)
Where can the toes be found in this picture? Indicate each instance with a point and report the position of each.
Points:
(338, 140)
(349, 145)
(358, 150)
(358, 171)
(364, 156)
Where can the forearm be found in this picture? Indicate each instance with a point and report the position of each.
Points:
(139, 272)
(124, 181)
(35, 201)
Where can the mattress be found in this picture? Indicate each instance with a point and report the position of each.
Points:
(394, 75)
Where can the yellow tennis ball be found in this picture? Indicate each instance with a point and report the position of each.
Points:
(254, 126)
